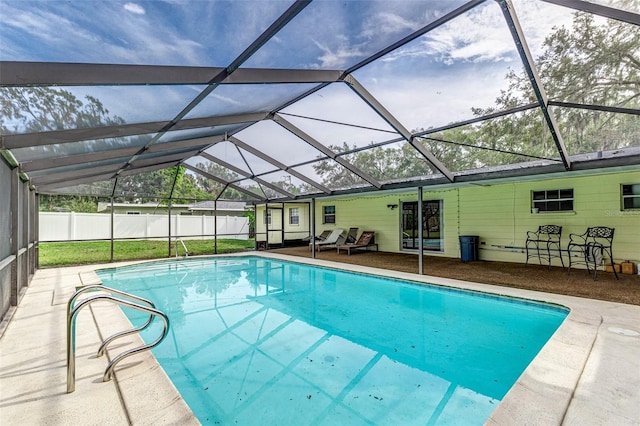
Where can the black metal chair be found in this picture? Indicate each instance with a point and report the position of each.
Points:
(591, 248)
(544, 244)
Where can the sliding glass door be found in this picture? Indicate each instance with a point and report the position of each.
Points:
(431, 225)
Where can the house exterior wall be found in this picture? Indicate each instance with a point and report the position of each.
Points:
(291, 231)
(500, 214)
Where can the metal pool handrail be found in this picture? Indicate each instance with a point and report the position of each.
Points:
(110, 339)
(186, 251)
(72, 312)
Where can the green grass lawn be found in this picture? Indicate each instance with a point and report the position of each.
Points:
(82, 253)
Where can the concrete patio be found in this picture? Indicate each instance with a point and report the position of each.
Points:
(587, 374)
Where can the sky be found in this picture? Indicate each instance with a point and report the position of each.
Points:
(429, 82)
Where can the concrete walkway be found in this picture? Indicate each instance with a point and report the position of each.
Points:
(587, 374)
(33, 373)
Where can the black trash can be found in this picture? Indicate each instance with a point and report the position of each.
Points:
(469, 247)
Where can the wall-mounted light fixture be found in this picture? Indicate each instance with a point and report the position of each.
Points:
(392, 206)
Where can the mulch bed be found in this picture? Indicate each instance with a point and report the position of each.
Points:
(531, 277)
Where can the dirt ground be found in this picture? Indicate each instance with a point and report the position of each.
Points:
(531, 277)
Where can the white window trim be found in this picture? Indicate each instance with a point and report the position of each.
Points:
(624, 197)
(297, 210)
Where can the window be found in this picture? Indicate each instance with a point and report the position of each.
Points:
(631, 196)
(329, 214)
(555, 200)
(267, 217)
(294, 216)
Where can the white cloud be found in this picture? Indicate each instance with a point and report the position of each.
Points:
(482, 35)
(134, 8)
(387, 23)
(338, 57)
(538, 20)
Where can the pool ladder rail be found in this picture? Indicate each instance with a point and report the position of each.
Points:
(184, 246)
(134, 302)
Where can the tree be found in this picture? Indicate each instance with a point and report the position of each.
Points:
(41, 109)
(593, 63)
(221, 190)
(73, 203)
(383, 163)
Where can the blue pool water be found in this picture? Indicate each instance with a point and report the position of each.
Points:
(256, 341)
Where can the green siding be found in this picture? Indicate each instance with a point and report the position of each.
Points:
(292, 232)
(499, 213)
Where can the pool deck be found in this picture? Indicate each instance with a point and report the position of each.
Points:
(587, 374)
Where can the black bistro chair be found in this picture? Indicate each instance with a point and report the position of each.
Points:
(591, 248)
(544, 244)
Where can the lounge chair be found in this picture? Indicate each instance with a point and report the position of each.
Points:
(323, 236)
(352, 236)
(366, 240)
(332, 240)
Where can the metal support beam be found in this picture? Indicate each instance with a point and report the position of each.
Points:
(480, 119)
(196, 143)
(222, 181)
(87, 172)
(14, 203)
(282, 226)
(420, 233)
(534, 78)
(36, 224)
(173, 187)
(276, 163)
(169, 237)
(136, 170)
(181, 155)
(119, 153)
(111, 232)
(44, 188)
(18, 74)
(245, 174)
(326, 151)
(393, 122)
(269, 33)
(215, 226)
(617, 110)
(266, 226)
(313, 227)
(25, 140)
(600, 9)
(218, 78)
(419, 33)
(71, 160)
(255, 227)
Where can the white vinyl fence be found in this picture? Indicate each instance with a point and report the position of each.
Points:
(71, 226)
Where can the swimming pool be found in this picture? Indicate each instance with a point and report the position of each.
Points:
(261, 341)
